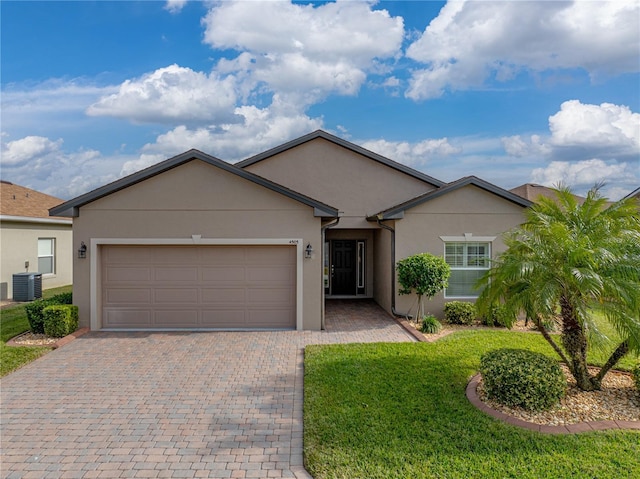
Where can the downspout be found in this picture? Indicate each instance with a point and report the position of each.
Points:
(323, 234)
(393, 270)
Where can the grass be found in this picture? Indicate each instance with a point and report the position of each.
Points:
(13, 321)
(399, 410)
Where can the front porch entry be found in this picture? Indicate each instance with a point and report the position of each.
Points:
(347, 267)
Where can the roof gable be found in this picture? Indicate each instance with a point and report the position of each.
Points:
(397, 212)
(345, 144)
(71, 207)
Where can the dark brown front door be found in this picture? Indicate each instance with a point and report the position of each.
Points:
(343, 271)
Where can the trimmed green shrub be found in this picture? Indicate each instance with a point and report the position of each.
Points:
(34, 315)
(460, 312)
(497, 316)
(636, 377)
(522, 378)
(62, 298)
(430, 324)
(35, 309)
(60, 320)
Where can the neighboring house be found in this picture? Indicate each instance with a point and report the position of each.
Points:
(532, 192)
(31, 240)
(195, 242)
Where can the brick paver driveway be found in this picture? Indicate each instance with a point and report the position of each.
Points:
(209, 404)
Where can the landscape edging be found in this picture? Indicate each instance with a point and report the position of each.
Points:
(472, 395)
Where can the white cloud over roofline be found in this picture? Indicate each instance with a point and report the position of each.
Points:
(303, 50)
(580, 131)
(169, 95)
(582, 175)
(471, 42)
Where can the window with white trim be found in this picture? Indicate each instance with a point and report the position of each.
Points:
(469, 260)
(46, 255)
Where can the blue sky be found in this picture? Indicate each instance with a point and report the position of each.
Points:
(512, 92)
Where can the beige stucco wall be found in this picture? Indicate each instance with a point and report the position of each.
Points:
(199, 199)
(19, 243)
(466, 210)
(382, 265)
(358, 186)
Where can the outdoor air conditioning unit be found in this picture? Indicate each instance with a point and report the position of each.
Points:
(27, 286)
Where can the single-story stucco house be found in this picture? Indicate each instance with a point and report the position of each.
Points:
(195, 242)
(31, 240)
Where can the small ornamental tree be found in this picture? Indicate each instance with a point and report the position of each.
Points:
(424, 274)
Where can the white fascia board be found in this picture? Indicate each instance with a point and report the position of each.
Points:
(467, 238)
(29, 219)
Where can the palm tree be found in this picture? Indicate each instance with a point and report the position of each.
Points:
(566, 262)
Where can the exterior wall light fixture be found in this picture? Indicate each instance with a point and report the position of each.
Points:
(308, 251)
(82, 251)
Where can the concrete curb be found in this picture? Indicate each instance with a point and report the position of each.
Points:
(474, 399)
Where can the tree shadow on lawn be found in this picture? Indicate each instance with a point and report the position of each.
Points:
(400, 410)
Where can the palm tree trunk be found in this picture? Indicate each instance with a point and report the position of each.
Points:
(620, 351)
(575, 343)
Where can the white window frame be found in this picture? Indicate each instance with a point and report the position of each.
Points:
(52, 242)
(467, 240)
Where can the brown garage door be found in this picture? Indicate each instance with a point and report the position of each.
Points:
(225, 287)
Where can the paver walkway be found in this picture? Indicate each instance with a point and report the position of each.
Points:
(171, 405)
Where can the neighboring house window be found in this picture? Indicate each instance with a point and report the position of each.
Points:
(468, 260)
(46, 255)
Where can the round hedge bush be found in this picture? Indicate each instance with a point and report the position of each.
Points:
(521, 378)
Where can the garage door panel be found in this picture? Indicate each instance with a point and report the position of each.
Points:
(169, 318)
(127, 254)
(176, 275)
(269, 295)
(175, 295)
(223, 318)
(271, 318)
(129, 273)
(275, 256)
(224, 287)
(176, 255)
(128, 295)
(223, 255)
(275, 273)
(223, 295)
(223, 273)
(128, 318)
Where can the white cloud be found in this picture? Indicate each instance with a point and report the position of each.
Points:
(303, 50)
(582, 131)
(412, 154)
(582, 175)
(519, 147)
(42, 164)
(597, 127)
(171, 95)
(470, 42)
(260, 130)
(175, 6)
(40, 105)
(19, 152)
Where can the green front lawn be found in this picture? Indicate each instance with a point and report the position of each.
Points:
(400, 411)
(13, 321)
